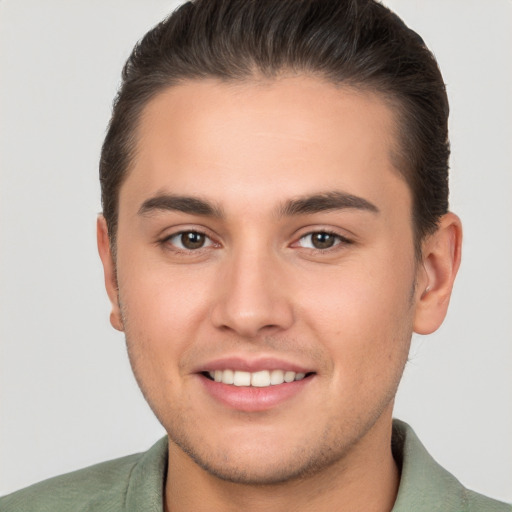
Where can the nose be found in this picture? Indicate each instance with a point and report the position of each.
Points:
(252, 296)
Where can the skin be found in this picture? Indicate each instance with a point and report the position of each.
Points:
(258, 288)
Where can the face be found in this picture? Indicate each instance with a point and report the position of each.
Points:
(266, 273)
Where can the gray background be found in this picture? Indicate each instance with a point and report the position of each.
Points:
(67, 396)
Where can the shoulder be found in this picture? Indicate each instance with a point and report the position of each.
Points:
(78, 490)
(427, 487)
(104, 486)
(478, 503)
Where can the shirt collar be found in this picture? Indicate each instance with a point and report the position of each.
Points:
(424, 485)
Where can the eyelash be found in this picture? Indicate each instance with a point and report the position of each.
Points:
(340, 241)
(167, 241)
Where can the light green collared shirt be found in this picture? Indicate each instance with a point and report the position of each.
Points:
(136, 484)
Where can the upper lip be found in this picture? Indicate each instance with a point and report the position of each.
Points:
(254, 364)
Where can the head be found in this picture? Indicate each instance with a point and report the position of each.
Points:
(274, 184)
(351, 43)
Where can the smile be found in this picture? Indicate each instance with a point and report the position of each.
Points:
(256, 383)
(259, 379)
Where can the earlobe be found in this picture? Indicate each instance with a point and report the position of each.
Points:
(109, 271)
(440, 263)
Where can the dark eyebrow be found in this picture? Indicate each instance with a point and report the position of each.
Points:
(185, 204)
(300, 206)
(324, 202)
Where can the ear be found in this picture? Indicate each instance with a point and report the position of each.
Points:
(109, 270)
(441, 254)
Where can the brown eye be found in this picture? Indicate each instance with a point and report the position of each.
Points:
(321, 240)
(190, 240)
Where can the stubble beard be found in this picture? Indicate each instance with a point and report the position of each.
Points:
(312, 457)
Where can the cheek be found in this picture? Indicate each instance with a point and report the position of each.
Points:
(157, 291)
(162, 312)
(160, 316)
(363, 314)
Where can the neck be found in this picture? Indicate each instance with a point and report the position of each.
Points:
(366, 479)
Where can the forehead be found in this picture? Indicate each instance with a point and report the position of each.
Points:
(266, 139)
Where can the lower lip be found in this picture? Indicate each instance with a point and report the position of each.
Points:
(253, 399)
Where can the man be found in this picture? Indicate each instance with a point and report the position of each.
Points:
(275, 227)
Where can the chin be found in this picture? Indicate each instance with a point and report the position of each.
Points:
(262, 460)
(255, 470)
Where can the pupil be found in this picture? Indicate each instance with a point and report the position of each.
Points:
(323, 240)
(192, 240)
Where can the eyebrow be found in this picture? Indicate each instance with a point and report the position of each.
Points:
(324, 202)
(185, 204)
(316, 203)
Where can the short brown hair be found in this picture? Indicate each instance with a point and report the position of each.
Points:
(358, 43)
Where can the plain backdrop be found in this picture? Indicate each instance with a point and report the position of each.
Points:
(67, 395)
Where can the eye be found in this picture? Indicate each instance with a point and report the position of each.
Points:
(321, 240)
(190, 240)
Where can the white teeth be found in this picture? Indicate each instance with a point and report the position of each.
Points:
(276, 377)
(261, 379)
(228, 376)
(289, 376)
(242, 378)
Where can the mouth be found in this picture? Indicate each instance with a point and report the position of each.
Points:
(256, 384)
(259, 379)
